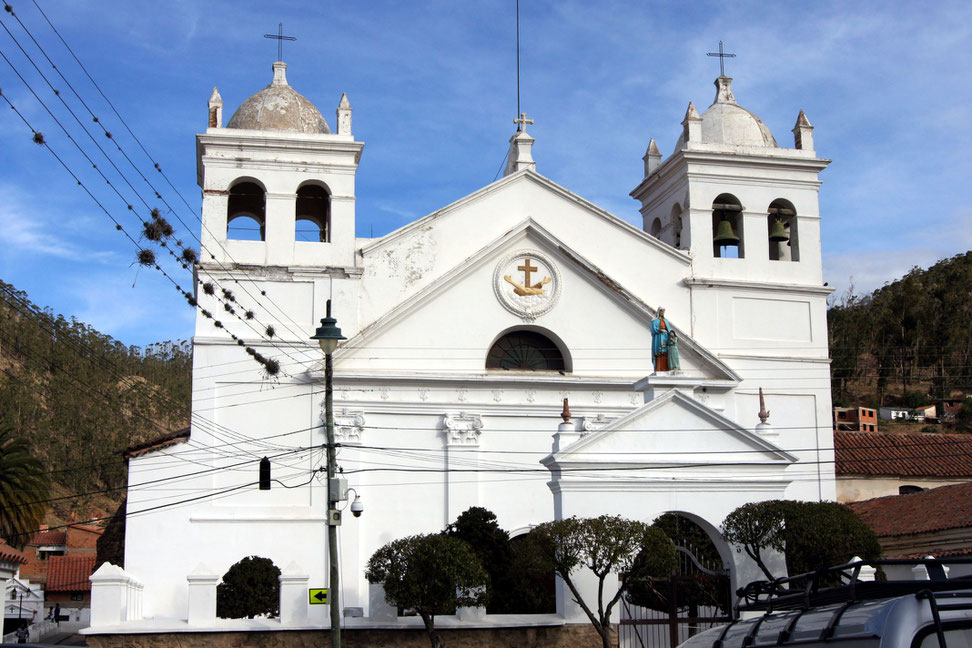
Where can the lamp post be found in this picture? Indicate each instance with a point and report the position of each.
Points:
(328, 335)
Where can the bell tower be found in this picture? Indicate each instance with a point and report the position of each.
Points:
(278, 184)
(745, 207)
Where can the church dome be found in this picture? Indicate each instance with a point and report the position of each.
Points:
(726, 122)
(278, 107)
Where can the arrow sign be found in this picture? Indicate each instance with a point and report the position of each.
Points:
(317, 596)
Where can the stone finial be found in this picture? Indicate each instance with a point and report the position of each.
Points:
(803, 133)
(763, 412)
(723, 86)
(652, 158)
(344, 115)
(566, 413)
(520, 155)
(279, 73)
(692, 125)
(215, 109)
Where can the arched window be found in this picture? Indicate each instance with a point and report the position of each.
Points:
(727, 227)
(676, 221)
(525, 351)
(655, 228)
(313, 217)
(246, 212)
(781, 223)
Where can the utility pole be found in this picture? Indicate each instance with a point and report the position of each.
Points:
(328, 335)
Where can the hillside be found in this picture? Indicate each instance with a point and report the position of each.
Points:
(80, 396)
(908, 343)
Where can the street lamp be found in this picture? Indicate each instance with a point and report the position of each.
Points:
(328, 335)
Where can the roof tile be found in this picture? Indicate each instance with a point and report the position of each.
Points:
(936, 509)
(913, 455)
(70, 573)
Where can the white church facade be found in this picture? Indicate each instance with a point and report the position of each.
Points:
(467, 329)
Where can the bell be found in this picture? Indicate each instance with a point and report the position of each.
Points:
(778, 233)
(725, 235)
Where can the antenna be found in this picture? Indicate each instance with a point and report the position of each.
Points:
(519, 126)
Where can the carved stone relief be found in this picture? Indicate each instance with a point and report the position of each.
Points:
(462, 429)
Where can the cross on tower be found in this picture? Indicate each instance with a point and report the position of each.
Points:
(280, 38)
(722, 57)
(527, 269)
(521, 126)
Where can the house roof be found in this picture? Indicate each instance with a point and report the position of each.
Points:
(9, 554)
(936, 509)
(158, 443)
(70, 573)
(911, 455)
(46, 538)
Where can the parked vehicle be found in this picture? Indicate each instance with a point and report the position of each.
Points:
(834, 608)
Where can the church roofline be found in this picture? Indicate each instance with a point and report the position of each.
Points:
(526, 174)
(623, 296)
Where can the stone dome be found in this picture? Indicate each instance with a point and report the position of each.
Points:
(278, 107)
(726, 122)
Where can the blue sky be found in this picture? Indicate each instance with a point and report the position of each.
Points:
(432, 85)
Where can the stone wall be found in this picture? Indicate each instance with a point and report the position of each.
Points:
(568, 636)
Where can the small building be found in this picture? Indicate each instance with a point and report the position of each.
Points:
(10, 562)
(23, 600)
(68, 585)
(77, 540)
(877, 464)
(926, 413)
(860, 419)
(935, 522)
(889, 413)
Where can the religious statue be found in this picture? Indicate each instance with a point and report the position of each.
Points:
(673, 361)
(660, 333)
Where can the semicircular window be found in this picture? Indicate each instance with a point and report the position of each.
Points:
(525, 351)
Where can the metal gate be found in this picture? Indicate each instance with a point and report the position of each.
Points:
(694, 598)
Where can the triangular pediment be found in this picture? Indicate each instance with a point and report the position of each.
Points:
(595, 312)
(669, 432)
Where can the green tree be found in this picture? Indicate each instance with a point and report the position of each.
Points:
(431, 574)
(813, 535)
(24, 488)
(604, 545)
(250, 588)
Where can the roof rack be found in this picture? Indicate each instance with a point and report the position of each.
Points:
(811, 589)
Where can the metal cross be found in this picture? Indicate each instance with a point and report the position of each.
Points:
(722, 57)
(280, 38)
(526, 268)
(521, 124)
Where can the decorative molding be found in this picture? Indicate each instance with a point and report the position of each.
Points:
(462, 429)
(497, 395)
(545, 292)
(596, 422)
(348, 426)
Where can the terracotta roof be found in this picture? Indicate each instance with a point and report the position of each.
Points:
(158, 443)
(9, 554)
(70, 573)
(48, 538)
(913, 455)
(936, 509)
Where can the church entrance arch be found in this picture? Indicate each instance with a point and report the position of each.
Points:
(696, 596)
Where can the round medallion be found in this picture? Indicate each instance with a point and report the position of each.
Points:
(527, 283)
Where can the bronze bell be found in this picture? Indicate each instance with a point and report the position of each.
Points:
(778, 233)
(725, 235)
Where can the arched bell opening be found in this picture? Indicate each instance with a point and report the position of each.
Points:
(781, 224)
(676, 220)
(246, 212)
(727, 228)
(528, 349)
(655, 229)
(313, 214)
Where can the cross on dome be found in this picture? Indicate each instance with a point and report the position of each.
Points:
(722, 58)
(280, 38)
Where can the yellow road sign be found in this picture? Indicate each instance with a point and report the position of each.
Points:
(317, 596)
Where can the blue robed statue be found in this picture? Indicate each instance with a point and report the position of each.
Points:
(664, 343)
